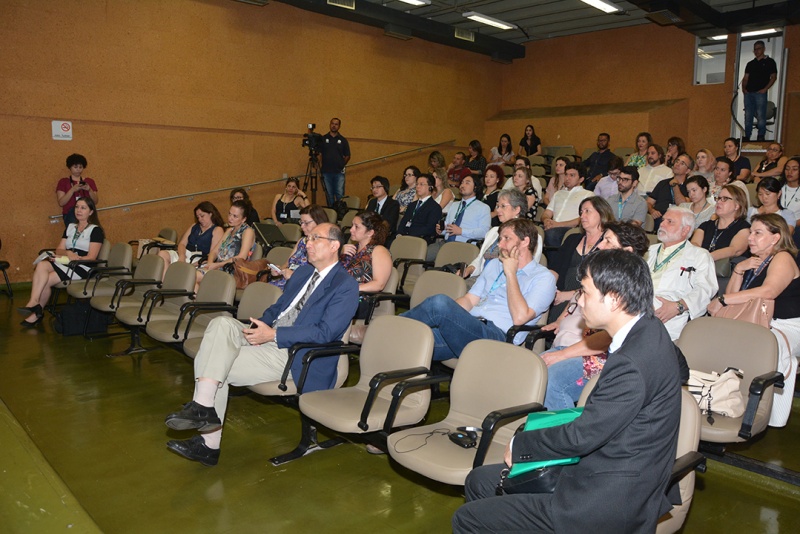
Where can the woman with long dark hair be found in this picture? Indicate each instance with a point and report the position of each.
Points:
(530, 144)
(503, 154)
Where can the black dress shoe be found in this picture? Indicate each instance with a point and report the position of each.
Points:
(32, 310)
(195, 449)
(194, 417)
(34, 323)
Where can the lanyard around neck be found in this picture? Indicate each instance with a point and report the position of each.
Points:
(660, 264)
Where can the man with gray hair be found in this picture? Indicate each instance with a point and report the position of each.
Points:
(684, 277)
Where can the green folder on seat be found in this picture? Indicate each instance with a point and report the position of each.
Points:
(537, 420)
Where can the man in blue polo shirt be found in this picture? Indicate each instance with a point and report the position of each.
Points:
(512, 290)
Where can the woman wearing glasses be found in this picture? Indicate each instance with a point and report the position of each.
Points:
(310, 217)
(579, 354)
(772, 164)
(407, 192)
(727, 236)
(771, 273)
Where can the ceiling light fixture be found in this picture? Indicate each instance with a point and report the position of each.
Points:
(485, 19)
(746, 34)
(417, 2)
(606, 7)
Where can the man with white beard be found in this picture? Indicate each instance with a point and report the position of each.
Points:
(684, 277)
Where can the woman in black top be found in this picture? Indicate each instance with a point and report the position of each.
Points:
(241, 194)
(291, 200)
(771, 273)
(530, 144)
(493, 181)
(476, 163)
(727, 236)
(595, 213)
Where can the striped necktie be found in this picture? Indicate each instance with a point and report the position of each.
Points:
(288, 318)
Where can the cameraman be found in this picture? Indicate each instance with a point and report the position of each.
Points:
(334, 153)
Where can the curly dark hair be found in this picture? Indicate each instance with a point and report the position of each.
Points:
(373, 221)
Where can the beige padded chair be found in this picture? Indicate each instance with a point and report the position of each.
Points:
(537, 160)
(331, 213)
(404, 248)
(103, 279)
(353, 202)
(256, 298)
(394, 348)
(161, 303)
(714, 344)
(649, 224)
(347, 220)
(492, 378)
(258, 252)
(753, 194)
(214, 298)
(147, 275)
(167, 239)
(456, 252)
(291, 232)
(624, 152)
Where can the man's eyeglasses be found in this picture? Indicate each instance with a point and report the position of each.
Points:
(315, 237)
(573, 305)
(623, 180)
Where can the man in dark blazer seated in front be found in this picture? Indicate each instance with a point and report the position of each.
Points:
(384, 205)
(626, 437)
(422, 215)
(317, 305)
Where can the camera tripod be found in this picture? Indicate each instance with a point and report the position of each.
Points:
(312, 176)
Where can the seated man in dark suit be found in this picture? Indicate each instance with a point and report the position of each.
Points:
(421, 217)
(384, 205)
(316, 307)
(626, 437)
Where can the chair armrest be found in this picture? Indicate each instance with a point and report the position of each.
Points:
(516, 329)
(757, 388)
(372, 300)
(379, 379)
(490, 422)
(293, 352)
(157, 295)
(478, 242)
(399, 390)
(685, 464)
(407, 262)
(536, 335)
(397, 299)
(124, 285)
(191, 309)
(313, 354)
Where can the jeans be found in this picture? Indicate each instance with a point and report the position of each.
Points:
(453, 327)
(563, 389)
(334, 186)
(755, 103)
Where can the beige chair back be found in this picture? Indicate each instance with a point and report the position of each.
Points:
(391, 343)
(258, 252)
(753, 194)
(437, 283)
(624, 152)
(180, 276)
(714, 344)
(649, 223)
(331, 213)
(291, 232)
(170, 234)
(279, 255)
(216, 286)
(353, 202)
(105, 250)
(386, 307)
(347, 220)
(456, 252)
(149, 268)
(688, 441)
(491, 375)
(119, 256)
(257, 297)
(409, 247)
(576, 230)
(537, 160)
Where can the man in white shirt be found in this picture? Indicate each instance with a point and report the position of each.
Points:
(562, 213)
(654, 171)
(684, 276)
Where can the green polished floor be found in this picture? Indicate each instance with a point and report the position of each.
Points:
(83, 444)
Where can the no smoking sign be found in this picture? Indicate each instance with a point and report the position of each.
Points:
(62, 130)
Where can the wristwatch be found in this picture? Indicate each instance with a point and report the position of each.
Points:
(721, 300)
(681, 307)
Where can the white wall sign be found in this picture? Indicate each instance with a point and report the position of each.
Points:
(62, 130)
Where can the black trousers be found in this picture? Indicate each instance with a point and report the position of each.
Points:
(486, 512)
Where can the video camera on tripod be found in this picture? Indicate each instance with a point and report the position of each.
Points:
(312, 140)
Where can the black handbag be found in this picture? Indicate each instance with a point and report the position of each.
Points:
(542, 480)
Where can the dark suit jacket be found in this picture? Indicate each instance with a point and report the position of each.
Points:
(390, 213)
(423, 220)
(324, 318)
(626, 438)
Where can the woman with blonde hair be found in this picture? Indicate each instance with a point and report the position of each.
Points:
(704, 163)
(771, 273)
